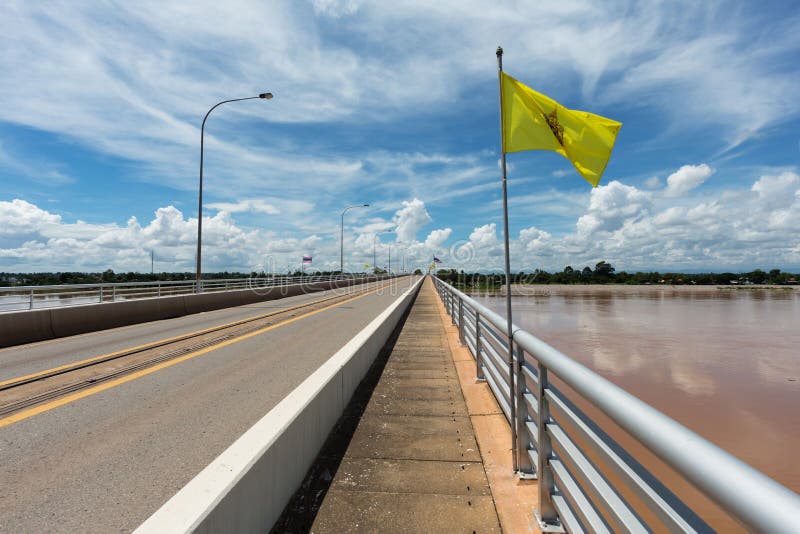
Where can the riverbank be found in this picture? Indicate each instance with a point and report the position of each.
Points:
(528, 290)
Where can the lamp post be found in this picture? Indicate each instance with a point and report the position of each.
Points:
(264, 96)
(341, 247)
(374, 256)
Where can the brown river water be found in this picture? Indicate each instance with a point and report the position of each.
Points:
(723, 362)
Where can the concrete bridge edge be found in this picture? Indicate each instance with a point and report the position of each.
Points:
(246, 488)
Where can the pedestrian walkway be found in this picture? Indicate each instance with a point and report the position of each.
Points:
(413, 463)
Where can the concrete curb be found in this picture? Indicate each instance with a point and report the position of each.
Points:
(17, 328)
(246, 488)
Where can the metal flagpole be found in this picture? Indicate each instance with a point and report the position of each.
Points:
(510, 333)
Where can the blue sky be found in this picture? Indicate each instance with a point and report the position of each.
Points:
(394, 104)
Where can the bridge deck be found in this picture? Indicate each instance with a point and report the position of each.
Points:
(413, 463)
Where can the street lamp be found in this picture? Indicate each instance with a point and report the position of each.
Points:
(374, 241)
(264, 96)
(341, 248)
(374, 256)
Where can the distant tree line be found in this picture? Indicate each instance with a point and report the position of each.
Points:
(109, 276)
(605, 273)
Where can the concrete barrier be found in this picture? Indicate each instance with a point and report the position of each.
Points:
(72, 320)
(246, 488)
(17, 328)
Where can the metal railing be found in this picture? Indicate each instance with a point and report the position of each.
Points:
(18, 298)
(556, 442)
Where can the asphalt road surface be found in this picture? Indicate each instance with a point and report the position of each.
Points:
(105, 462)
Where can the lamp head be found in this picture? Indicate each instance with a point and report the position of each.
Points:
(266, 96)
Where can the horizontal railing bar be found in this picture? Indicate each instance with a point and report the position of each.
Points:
(533, 430)
(498, 393)
(471, 346)
(594, 483)
(497, 361)
(532, 402)
(469, 337)
(492, 367)
(676, 516)
(531, 376)
(206, 283)
(23, 298)
(491, 338)
(567, 516)
(579, 503)
(532, 454)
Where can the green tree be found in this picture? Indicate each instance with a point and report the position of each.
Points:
(604, 272)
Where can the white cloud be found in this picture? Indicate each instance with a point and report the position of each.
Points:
(611, 206)
(437, 238)
(484, 237)
(740, 228)
(654, 182)
(19, 217)
(34, 239)
(336, 8)
(534, 239)
(687, 178)
(269, 206)
(411, 218)
(778, 191)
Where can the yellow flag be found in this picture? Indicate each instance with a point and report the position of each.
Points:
(533, 121)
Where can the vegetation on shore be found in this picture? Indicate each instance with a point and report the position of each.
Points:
(109, 276)
(604, 273)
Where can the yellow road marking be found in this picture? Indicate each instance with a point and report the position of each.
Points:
(164, 341)
(36, 410)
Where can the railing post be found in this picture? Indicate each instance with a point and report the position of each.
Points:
(478, 348)
(101, 294)
(113, 293)
(452, 307)
(547, 515)
(461, 320)
(512, 404)
(159, 288)
(30, 300)
(525, 469)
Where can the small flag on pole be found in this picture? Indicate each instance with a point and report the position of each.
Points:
(436, 260)
(306, 260)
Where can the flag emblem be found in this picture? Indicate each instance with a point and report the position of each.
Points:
(436, 260)
(555, 126)
(306, 260)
